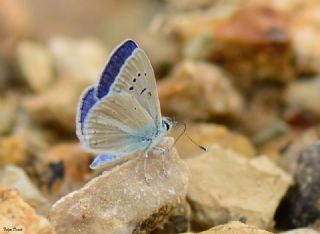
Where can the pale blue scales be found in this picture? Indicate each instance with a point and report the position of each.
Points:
(121, 114)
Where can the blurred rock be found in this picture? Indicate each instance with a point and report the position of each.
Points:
(208, 134)
(202, 88)
(300, 231)
(8, 110)
(264, 105)
(18, 216)
(13, 150)
(225, 186)
(254, 50)
(56, 106)
(80, 60)
(15, 25)
(15, 177)
(120, 201)
(36, 65)
(299, 140)
(79, 64)
(65, 167)
(305, 34)
(234, 227)
(300, 207)
(302, 99)
(177, 222)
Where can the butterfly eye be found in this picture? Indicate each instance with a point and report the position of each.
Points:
(165, 125)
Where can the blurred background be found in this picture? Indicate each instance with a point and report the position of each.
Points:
(244, 75)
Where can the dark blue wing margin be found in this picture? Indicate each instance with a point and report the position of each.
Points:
(114, 65)
(88, 100)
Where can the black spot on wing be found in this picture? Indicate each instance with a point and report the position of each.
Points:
(143, 90)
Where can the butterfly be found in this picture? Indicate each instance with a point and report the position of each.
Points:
(121, 114)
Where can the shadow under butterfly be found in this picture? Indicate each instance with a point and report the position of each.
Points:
(121, 114)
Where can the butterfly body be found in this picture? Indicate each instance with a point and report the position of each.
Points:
(121, 114)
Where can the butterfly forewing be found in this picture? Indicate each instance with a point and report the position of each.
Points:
(136, 78)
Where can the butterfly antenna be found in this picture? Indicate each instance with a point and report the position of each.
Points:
(185, 132)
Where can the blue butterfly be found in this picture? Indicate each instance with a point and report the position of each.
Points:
(121, 114)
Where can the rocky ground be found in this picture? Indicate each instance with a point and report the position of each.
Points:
(243, 75)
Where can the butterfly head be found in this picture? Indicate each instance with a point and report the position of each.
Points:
(167, 124)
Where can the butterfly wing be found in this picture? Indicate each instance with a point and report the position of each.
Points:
(135, 77)
(117, 125)
(106, 161)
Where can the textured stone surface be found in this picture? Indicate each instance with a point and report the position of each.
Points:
(234, 228)
(8, 110)
(198, 90)
(208, 134)
(225, 186)
(18, 216)
(120, 200)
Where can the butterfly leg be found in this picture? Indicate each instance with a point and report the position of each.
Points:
(162, 152)
(147, 178)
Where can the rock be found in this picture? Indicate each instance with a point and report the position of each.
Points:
(300, 207)
(36, 65)
(302, 99)
(234, 227)
(263, 44)
(225, 186)
(8, 110)
(304, 27)
(81, 60)
(300, 231)
(264, 104)
(18, 216)
(120, 200)
(208, 134)
(14, 177)
(48, 106)
(177, 222)
(13, 150)
(202, 88)
(65, 167)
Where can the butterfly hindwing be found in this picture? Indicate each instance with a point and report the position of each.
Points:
(87, 100)
(118, 125)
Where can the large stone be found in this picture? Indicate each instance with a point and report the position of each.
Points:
(121, 201)
(226, 186)
(208, 134)
(14, 177)
(35, 63)
(198, 90)
(16, 216)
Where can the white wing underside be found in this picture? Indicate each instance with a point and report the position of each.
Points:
(118, 125)
(136, 77)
